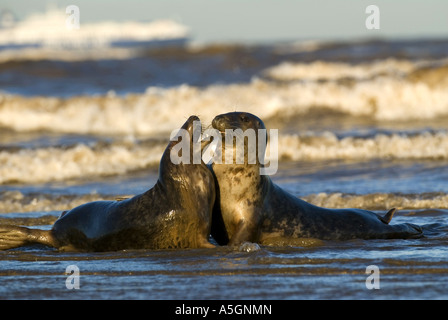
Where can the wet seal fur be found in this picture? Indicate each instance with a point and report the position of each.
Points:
(175, 213)
(250, 207)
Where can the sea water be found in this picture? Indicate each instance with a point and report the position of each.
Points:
(360, 125)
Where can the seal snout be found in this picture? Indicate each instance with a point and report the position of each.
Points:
(193, 126)
(237, 120)
(188, 125)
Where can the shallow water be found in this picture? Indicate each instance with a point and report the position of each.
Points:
(408, 269)
(361, 125)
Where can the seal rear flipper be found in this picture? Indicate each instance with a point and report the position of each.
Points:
(388, 216)
(406, 231)
(15, 236)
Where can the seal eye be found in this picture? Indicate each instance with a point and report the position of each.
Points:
(244, 119)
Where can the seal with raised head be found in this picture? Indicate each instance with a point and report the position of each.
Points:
(174, 213)
(250, 207)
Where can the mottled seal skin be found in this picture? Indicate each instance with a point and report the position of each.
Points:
(175, 213)
(250, 207)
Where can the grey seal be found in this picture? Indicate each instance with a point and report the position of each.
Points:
(174, 213)
(250, 207)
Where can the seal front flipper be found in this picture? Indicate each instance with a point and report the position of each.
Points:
(15, 236)
(245, 232)
(388, 216)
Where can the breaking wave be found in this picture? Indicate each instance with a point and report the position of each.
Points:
(59, 163)
(285, 96)
(16, 201)
(380, 201)
(320, 70)
(406, 91)
(328, 146)
(79, 161)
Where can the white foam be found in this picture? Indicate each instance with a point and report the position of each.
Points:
(379, 201)
(50, 30)
(321, 70)
(80, 161)
(328, 146)
(384, 89)
(16, 201)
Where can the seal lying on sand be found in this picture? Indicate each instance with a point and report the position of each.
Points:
(175, 213)
(250, 207)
